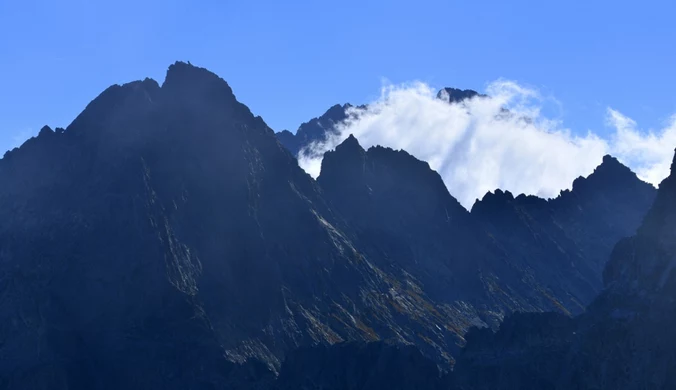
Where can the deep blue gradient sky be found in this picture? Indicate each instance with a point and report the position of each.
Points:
(290, 61)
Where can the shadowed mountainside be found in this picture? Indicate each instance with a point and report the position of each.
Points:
(165, 231)
(620, 342)
(166, 237)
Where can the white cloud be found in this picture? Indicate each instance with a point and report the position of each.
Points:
(477, 147)
(648, 153)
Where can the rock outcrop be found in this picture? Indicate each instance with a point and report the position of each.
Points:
(314, 130)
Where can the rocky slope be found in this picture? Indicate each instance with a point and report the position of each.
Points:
(523, 254)
(621, 342)
(566, 241)
(166, 231)
(558, 247)
(406, 220)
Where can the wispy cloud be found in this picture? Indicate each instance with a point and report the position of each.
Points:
(478, 146)
(649, 153)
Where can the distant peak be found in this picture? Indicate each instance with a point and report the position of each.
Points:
(350, 144)
(492, 201)
(185, 77)
(46, 130)
(180, 68)
(503, 194)
(337, 109)
(345, 163)
(347, 150)
(455, 95)
(609, 160)
(611, 167)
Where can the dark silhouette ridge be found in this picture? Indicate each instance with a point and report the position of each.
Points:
(165, 239)
(314, 130)
(399, 204)
(454, 95)
(620, 342)
(585, 222)
(165, 234)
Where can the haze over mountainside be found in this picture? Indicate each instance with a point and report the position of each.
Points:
(320, 128)
(167, 234)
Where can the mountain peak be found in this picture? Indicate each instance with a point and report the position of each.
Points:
(187, 79)
(350, 144)
(337, 111)
(492, 201)
(180, 69)
(316, 129)
(610, 173)
(611, 163)
(346, 161)
(455, 95)
(45, 130)
(608, 159)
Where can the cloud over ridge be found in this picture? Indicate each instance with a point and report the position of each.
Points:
(497, 141)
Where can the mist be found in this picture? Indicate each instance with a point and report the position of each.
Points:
(502, 140)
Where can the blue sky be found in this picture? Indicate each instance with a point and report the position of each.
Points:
(290, 61)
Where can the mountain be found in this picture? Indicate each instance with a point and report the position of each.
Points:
(166, 233)
(314, 130)
(455, 95)
(358, 366)
(525, 253)
(405, 218)
(319, 128)
(621, 342)
(566, 241)
(167, 239)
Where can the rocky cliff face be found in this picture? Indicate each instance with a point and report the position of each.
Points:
(509, 254)
(404, 216)
(621, 342)
(315, 130)
(566, 241)
(166, 230)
